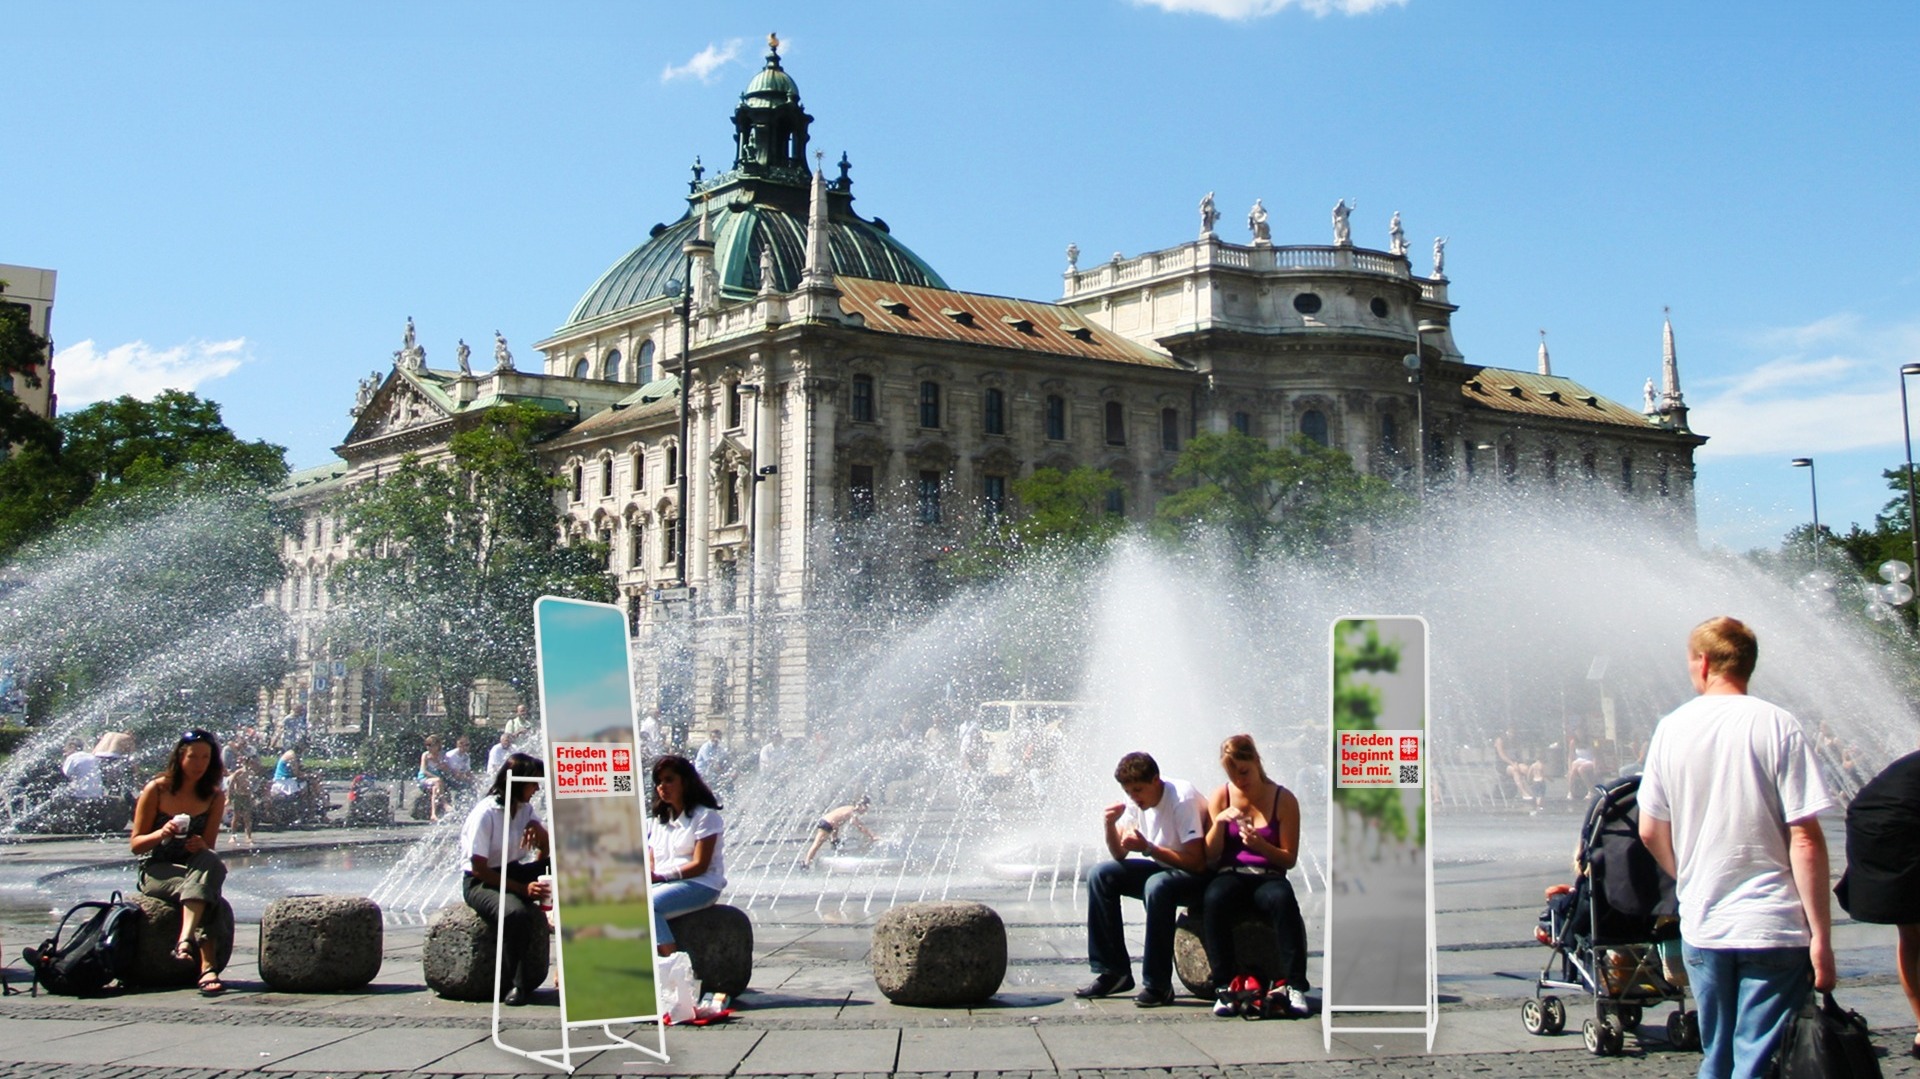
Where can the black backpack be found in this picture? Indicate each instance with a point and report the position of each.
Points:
(100, 949)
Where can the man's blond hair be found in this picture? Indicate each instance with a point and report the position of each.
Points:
(1730, 647)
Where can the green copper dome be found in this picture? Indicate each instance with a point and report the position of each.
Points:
(741, 230)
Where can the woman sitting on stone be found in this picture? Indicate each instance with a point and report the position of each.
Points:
(498, 883)
(685, 839)
(1253, 842)
(175, 824)
(432, 777)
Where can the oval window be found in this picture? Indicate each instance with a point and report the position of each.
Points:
(1379, 307)
(1306, 303)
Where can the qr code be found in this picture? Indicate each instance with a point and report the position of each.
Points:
(1410, 773)
(625, 783)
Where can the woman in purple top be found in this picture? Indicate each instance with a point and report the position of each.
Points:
(1252, 843)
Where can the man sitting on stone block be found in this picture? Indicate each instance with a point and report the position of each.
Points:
(1157, 839)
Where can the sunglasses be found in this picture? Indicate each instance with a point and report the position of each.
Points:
(196, 735)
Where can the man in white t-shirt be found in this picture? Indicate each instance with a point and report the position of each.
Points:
(1158, 841)
(82, 770)
(1729, 806)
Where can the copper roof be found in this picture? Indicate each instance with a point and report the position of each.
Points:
(661, 397)
(1502, 390)
(998, 321)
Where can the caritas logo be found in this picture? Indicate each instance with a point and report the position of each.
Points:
(622, 761)
(1410, 748)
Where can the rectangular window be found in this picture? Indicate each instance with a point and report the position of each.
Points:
(636, 547)
(1590, 468)
(1243, 422)
(1116, 424)
(1170, 430)
(673, 464)
(994, 412)
(1626, 475)
(733, 406)
(929, 404)
(860, 491)
(639, 471)
(929, 498)
(1550, 465)
(606, 477)
(670, 541)
(579, 482)
(1056, 417)
(863, 398)
(993, 496)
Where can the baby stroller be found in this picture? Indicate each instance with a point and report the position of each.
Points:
(1614, 934)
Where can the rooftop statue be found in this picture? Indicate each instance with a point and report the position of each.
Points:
(502, 359)
(461, 354)
(1208, 215)
(1397, 235)
(1342, 231)
(1439, 258)
(1073, 258)
(1257, 221)
(1647, 393)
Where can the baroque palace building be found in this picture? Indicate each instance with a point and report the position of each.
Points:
(830, 375)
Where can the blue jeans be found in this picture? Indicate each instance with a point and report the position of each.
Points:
(1747, 997)
(673, 898)
(1162, 890)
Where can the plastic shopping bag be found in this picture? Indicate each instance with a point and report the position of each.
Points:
(677, 988)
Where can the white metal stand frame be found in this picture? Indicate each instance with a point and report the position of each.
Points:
(1430, 1011)
(562, 1057)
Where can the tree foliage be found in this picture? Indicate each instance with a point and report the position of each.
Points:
(1296, 499)
(450, 555)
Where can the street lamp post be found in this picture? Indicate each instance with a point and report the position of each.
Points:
(1906, 430)
(1416, 374)
(1814, 484)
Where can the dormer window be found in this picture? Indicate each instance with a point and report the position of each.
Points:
(891, 306)
(963, 318)
(1020, 325)
(1078, 333)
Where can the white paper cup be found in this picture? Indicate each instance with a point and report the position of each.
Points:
(182, 822)
(546, 901)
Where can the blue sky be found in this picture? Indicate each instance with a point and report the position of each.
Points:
(249, 200)
(583, 668)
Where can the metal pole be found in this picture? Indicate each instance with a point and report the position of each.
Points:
(1906, 430)
(1814, 482)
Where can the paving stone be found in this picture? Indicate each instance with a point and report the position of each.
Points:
(804, 1052)
(234, 1048)
(387, 1050)
(1102, 1046)
(987, 1049)
(107, 1046)
(706, 1051)
(18, 1034)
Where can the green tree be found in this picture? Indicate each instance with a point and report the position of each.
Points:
(449, 557)
(176, 443)
(1054, 512)
(22, 354)
(1297, 499)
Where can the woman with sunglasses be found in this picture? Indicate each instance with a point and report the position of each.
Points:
(1253, 841)
(177, 861)
(684, 846)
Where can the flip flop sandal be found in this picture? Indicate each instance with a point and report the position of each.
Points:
(184, 951)
(211, 985)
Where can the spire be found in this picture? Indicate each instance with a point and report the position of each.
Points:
(1669, 366)
(1546, 365)
(819, 268)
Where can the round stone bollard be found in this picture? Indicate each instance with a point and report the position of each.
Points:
(939, 954)
(719, 940)
(320, 943)
(458, 957)
(1255, 945)
(154, 964)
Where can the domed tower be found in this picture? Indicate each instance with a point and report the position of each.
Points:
(757, 219)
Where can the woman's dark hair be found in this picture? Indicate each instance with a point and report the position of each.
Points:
(177, 777)
(523, 765)
(693, 790)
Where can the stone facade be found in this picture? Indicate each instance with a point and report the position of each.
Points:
(829, 374)
(32, 289)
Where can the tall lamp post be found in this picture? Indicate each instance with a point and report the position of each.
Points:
(1906, 429)
(1416, 374)
(1814, 484)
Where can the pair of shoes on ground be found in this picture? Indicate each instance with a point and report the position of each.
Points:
(210, 984)
(1247, 998)
(517, 997)
(1107, 985)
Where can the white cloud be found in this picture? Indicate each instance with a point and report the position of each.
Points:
(1254, 9)
(1844, 396)
(704, 63)
(85, 373)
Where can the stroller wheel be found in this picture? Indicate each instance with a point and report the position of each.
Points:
(1594, 1035)
(1683, 1031)
(1630, 1017)
(1533, 1017)
(1555, 1014)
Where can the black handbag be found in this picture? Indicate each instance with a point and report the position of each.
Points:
(1825, 1042)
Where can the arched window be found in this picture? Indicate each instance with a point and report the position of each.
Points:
(610, 367)
(636, 546)
(1056, 417)
(1389, 435)
(994, 412)
(673, 464)
(669, 540)
(929, 404)
(606, 477)
(1626, 474)
(1170, 430)
(1313, 424)
(1116, 424)
(643, 363)
(863, 398)
(639, 465)
(579, 482)
(582, 368)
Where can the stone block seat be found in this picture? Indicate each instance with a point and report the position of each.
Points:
(939, 954)
(1255, 943)
(719, 941)
(320, 943)
(458, 957)
(154, 965)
